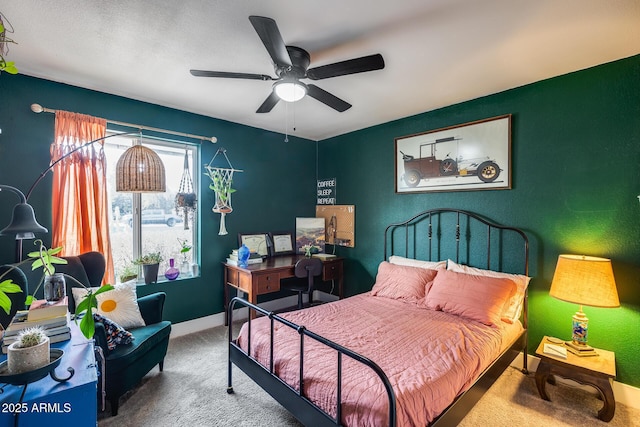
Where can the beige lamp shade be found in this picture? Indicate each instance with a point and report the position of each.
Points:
(585, 280)
(140, 170)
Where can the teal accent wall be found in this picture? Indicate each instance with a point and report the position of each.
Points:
(278, 182)
(576, 175)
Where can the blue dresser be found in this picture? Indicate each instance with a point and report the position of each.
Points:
(51, 403)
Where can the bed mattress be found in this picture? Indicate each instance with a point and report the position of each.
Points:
(429, 356)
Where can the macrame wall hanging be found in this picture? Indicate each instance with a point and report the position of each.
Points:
(221, 180)
(186, 199)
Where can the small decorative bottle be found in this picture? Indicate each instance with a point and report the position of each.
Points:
(172, 273)
(243, 255)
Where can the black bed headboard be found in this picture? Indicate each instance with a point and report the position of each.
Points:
(462, 236)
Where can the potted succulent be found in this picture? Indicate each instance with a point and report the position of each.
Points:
(150, 264)
(129, 272)
(29, 352)
(46, 259)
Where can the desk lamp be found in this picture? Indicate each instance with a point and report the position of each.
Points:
(584, 280)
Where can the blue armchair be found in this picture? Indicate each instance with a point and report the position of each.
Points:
(127, 364)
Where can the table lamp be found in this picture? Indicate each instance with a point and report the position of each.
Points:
(584, 280)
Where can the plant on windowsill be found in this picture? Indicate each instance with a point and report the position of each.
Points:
(46, 259)
(185, 248)
(150, 264)
(129, 272)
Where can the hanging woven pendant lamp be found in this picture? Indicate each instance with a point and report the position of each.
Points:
(140, 170)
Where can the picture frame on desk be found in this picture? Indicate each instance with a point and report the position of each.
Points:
(282, 243)
(256, 242)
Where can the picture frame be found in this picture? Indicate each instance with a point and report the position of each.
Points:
(466, 157)
(282, 243)
(256, 242)
(310, 231)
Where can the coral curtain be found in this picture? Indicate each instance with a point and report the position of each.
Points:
(80, 206)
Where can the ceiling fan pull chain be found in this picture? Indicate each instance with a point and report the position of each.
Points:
(286, 122)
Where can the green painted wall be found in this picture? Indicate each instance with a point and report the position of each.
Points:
(276, 186)
(575, 158)
(576, 175)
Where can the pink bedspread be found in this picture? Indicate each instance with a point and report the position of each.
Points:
(429, 356)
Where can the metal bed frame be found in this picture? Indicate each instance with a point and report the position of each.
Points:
(406, 239)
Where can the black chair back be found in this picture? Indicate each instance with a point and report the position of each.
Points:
(87, 268)
(309, 268)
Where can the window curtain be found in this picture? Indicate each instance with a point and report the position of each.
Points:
(80, 205)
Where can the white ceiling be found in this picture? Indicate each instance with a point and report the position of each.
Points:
(437, 52)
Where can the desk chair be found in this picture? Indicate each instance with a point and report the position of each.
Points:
(305, 268)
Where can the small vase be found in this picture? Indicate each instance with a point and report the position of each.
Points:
(243, 256)
(54, 288)
(172, 273)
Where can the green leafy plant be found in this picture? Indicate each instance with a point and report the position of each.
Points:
(31, 337)
(150, 258)
(184, 246)
(221, 186)
(6, 66)
(46, 259)
(129, 272)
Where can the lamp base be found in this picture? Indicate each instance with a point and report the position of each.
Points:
(578, 346)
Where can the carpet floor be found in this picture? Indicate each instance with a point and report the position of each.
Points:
(192, 392)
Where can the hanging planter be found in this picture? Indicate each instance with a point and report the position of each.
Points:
(221, 180)
(186, 199)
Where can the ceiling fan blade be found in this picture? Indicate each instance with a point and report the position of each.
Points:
(268, 31)
(350, 66)
(327, 98)
(269, 103)
(204, 73)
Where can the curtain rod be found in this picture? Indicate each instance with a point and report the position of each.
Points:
(37, 108)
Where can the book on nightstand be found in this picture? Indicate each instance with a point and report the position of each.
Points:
(555, 350)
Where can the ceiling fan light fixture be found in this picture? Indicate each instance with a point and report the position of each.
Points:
(290, 91)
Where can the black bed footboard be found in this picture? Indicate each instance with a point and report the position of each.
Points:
(293, 400)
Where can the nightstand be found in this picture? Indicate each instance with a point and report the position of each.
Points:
(597, 371)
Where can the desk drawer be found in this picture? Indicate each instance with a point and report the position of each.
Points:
(331, 270)
(239, 280)
(268, 283)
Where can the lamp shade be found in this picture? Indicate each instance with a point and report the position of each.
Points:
(23, 222)
(140, 170)
(585, 280)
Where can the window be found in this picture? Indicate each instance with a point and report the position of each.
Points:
(141, 223)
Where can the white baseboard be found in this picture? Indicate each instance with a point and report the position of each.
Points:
(624, 393)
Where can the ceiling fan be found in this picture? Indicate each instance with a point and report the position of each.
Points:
(291, 64)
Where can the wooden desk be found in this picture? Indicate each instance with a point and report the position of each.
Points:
(597, 371)
(264, 278)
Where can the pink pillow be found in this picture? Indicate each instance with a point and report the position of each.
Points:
(475, 297)
(409, 284)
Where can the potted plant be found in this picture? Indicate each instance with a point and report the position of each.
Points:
(185, 248)
(46, 259)
(150, 264)
(29, 352)
(129, 272)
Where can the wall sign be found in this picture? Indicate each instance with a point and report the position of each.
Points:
(326, 191)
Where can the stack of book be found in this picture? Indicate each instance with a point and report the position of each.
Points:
(53, 318)
(322, 255)
(254, 258)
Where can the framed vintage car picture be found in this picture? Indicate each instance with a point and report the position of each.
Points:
(470, 156)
